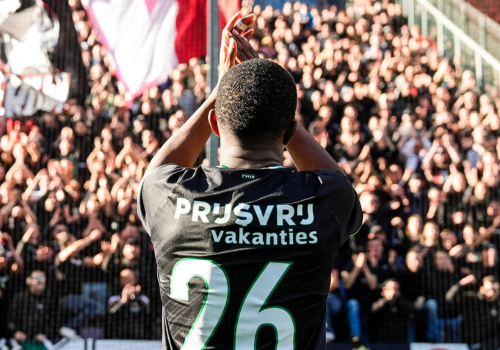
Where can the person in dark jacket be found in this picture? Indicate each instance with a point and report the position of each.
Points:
(480, 312)
(33, 312)
(443, 322)
(412, 285)
(128, 313)
(8, 284)
(390, 315)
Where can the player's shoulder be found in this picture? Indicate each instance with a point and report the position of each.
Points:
(324, 180)
(340, 199)
(155, 187)
(166, 177)
(168, 173)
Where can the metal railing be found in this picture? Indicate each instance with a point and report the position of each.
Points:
(462, 31)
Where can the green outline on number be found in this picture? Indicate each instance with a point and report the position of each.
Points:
(199, 314)
(206, 297)
(265, 308)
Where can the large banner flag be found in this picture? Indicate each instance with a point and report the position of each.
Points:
(148, 38)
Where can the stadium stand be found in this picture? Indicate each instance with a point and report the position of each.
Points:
(418, 138)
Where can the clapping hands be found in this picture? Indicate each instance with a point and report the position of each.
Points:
(235, 47)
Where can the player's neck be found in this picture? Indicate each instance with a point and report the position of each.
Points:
(242, 157)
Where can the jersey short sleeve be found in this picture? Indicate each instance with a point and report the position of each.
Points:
(341, 200)
(154, 189)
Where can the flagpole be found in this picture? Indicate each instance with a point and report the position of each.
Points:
(213, 54)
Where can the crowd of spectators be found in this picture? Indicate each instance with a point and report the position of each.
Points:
(418, 138)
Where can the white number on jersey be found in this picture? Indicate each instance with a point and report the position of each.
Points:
(214, 305)
(252, 315)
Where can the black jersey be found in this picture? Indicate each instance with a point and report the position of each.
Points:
(244, 255)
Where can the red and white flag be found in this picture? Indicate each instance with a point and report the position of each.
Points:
(148, 38)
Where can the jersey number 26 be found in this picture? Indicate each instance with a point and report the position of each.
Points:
(252, 314)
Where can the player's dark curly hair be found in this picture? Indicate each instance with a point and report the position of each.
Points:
(256, 101)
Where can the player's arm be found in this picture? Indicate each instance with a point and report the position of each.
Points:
(308, 154)
(184, 147)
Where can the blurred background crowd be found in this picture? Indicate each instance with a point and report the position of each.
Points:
(418, 139)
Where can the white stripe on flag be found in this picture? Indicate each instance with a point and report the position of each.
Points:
(140, 37)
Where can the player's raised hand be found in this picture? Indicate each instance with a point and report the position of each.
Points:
(228, 46)
(243, 28)
(245, 50)
(229, 59)
(243, 25)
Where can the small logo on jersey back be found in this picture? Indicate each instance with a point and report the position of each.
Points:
(248, 176)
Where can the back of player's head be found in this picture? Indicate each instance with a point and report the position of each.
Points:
(256, 101)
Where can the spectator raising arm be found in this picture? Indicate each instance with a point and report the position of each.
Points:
(307, 153)
(78, 246)
(451, 149)
(453, 292)
(26, 196)
(18, 265)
